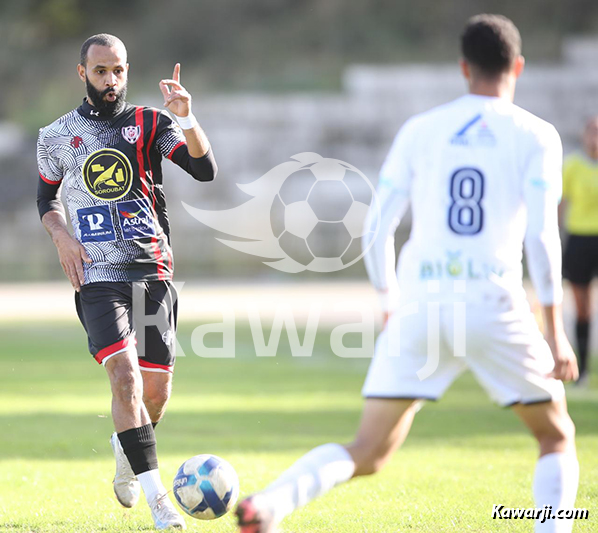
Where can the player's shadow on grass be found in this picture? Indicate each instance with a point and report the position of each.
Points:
(56, 436)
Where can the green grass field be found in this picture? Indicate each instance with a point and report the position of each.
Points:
(463, 454)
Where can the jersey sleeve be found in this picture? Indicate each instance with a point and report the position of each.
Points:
(169, 136)
(171, 143)
(393, 193)
(49, 170)
(542, 190)
(50, 179)
(396, 171)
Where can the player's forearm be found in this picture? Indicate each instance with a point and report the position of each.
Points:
(543, 253)
(380, 260)
(198, 160)
(55, 224)
(543, 242)
(553, 319)
(197, 141)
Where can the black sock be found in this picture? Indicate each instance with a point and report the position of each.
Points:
(154, 424)
(139, 445)
(582, 334)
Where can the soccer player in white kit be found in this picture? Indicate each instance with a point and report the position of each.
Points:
(483, 178)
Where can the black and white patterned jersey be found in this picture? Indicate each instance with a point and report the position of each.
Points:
(110, 170)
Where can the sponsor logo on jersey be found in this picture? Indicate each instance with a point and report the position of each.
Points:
(456, 267)
(107, 174)
(474, 133)
(95, 224)
(131, 133)
(136, 220)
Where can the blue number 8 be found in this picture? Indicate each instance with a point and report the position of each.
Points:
(466, 216)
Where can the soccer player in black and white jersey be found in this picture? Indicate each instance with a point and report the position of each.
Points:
(106, 155)
(483, 178)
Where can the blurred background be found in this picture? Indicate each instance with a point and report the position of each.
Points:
(270, 79)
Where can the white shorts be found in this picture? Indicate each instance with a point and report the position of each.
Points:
(421, 354)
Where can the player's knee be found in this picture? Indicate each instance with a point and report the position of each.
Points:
(558, 437)
(156, 397)
(583, 312)
(127, 386)
(156, 392)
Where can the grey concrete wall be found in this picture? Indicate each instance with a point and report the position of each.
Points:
(252, 133)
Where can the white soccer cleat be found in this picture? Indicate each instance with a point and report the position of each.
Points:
(126, 487)
(165, 515)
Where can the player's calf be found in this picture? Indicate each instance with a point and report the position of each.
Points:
(369, 457)
(384, 426)
(157, 387)
(311, 476)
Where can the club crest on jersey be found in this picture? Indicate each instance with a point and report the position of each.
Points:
(131, 133)
(107, 174)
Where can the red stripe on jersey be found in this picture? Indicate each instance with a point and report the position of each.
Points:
(153, 134)
(182, 143)
(145, 364)
(149, 159)
(139, 146)
(145, 189)
(49, 182)
(170, 262)
(113, 348)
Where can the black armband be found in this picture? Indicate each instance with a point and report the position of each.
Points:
(48, 198)
(202, 168)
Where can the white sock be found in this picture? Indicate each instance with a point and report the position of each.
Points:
(313, 475)
(555, 484)
(151, 483)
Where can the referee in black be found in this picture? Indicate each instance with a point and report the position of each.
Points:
(106, 156)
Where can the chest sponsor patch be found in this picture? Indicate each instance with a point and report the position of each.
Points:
(136, 220)
(107, 174)
(95, 224)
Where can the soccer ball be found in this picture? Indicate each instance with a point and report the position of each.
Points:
(206, 487)
(319, 212)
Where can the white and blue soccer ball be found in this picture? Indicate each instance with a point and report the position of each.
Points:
(206, 487)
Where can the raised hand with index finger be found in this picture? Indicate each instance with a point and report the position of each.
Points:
(176, 97)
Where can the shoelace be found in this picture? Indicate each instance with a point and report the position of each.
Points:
(160, 504)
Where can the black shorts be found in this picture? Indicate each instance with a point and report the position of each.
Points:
(580, 260)
(112, 322)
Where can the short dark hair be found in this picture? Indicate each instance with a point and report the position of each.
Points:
(490, 43)
(101, 39)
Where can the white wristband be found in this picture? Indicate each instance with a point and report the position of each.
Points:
(187, 123)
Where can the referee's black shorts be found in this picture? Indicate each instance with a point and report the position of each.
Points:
(580, 260)
(111, 321)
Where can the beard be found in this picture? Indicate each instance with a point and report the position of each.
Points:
(104, 106)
